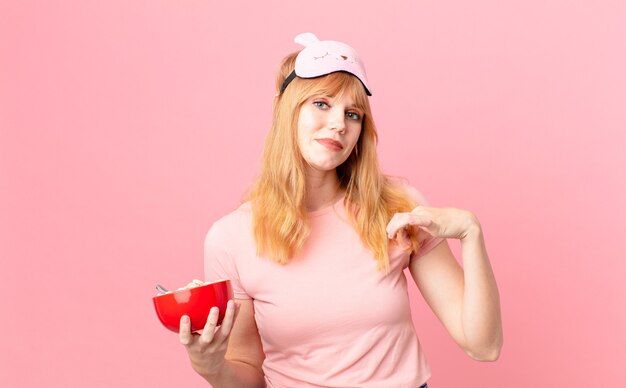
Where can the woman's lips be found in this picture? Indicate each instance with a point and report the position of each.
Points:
(331, 144)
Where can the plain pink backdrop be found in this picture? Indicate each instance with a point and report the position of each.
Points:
(128, 127)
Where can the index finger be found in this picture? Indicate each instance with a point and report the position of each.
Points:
(184, 333)
(397, 222)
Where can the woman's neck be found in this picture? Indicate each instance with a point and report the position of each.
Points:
(322, 190)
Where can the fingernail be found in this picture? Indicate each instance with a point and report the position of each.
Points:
(185, 319)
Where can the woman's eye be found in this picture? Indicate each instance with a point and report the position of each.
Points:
(320, 104)
(353, 115)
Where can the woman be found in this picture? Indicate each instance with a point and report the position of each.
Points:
(316, 256)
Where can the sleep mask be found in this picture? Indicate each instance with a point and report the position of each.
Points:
(320, 58)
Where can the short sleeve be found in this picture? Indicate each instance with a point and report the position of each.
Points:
(427, 242)
(219, 264)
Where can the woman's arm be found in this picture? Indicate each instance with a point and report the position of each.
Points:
(466, 300)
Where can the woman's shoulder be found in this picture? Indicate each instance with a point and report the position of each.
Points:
(235, 219)
(413, 192)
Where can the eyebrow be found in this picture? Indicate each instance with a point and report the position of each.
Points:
(351, 106)
(354, 106)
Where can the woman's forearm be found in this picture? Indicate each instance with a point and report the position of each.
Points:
(482, 321)
(236, 374)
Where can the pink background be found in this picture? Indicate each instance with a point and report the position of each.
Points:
(128, 127)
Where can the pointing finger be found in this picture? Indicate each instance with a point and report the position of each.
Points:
(184, 333)
(419, 221)
(396, 222)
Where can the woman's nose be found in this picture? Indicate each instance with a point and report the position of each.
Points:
(336, 120)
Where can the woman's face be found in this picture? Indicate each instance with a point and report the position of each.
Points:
(328, 130)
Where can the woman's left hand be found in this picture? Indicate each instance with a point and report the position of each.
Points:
(438, 222)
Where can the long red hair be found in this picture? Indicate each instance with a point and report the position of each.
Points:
(279, 214)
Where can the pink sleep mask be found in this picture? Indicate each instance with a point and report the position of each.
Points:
(320, 58)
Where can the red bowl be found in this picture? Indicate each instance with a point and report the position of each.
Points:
(195, 302)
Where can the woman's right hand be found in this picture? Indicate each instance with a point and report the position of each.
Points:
(207, 350)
